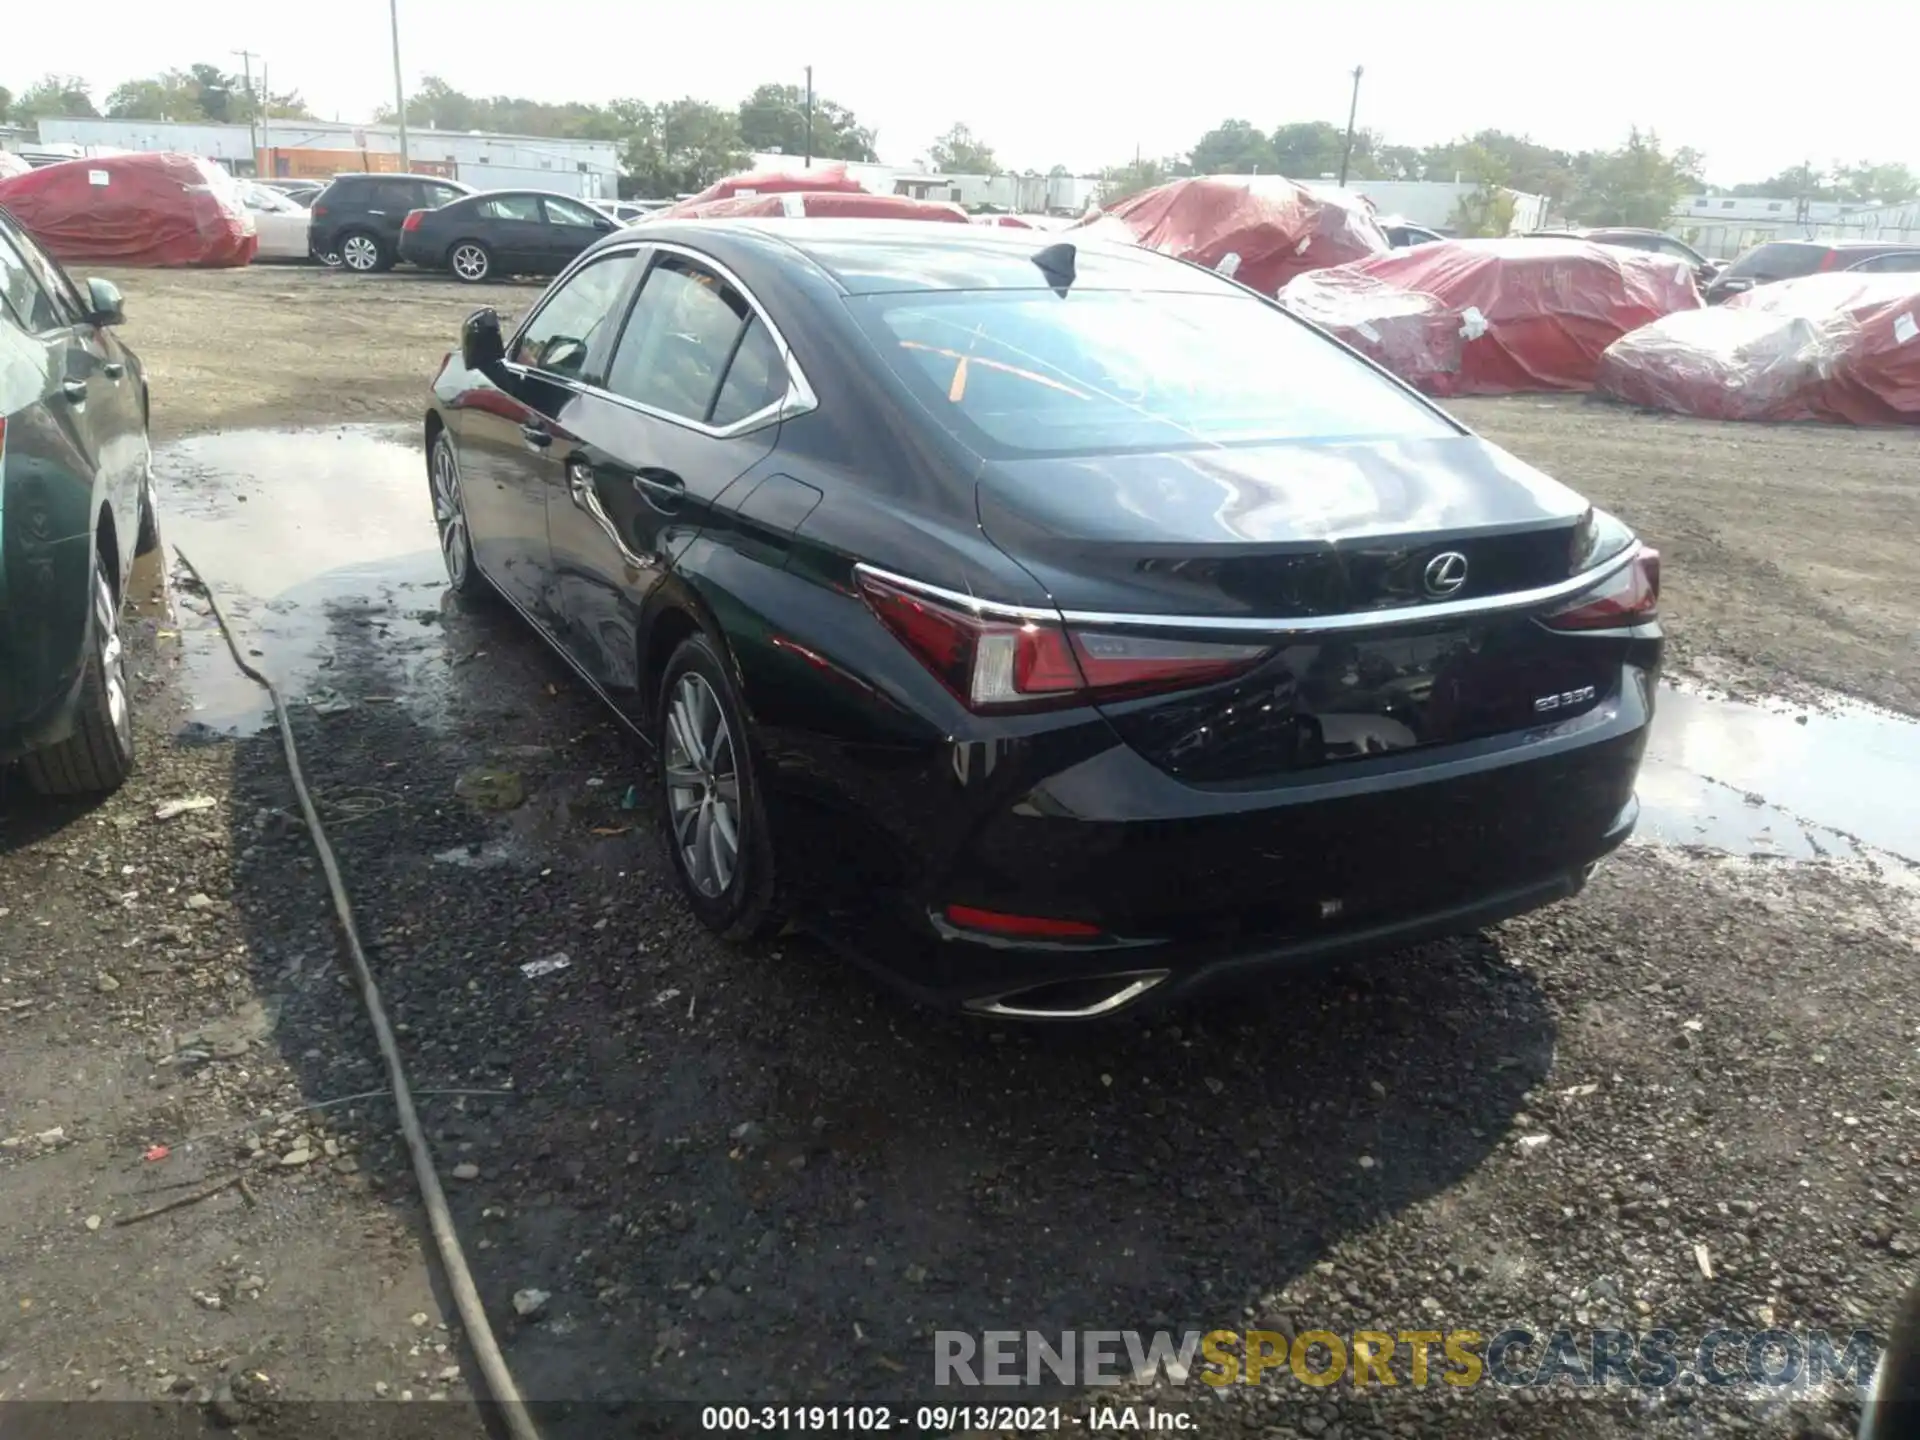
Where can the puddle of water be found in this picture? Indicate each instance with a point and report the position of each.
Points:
(1783, 780)
(322, 548)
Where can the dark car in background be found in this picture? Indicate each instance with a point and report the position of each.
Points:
(1048, 624)
(502, 232)
(1791, 259)
(1890, 262)
(1403, 233)
(1656, 242)
(301, 192)
(76, 505)
(356, 220)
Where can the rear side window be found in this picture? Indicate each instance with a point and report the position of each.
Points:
(756, 380)
(390, 195)
(565, 212)
(561, 335)
(434, 196)
(511, 207)
(1032, 372)
(1778, 260)
(1898, 260)
(679, 340)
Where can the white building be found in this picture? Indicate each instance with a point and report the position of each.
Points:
(588, 168)
(1722, 226)
(1433, 203)
(1021, 194)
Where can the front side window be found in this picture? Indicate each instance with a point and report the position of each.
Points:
(25, 298)
(511, 207)
(679, 340)
(1033, 372)
(565, 212)
(561, 335)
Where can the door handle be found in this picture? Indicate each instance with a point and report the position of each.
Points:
(74, 390)
(536, 435)
(662, 482)
(114, 369)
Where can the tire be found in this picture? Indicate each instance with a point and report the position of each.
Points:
(450, 518)
(364, 253)
(701, 764)
(98, 756)
(328, 258)
(470, 261)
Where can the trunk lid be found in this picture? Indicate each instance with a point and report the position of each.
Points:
(1306, 532)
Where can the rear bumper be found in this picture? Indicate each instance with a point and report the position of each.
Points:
(1193, 888)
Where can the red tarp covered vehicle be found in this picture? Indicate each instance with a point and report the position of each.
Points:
(844, 205)
(821, 179)
(1260, 229)
(1494, 317)
(158, 210)
(1842, 348)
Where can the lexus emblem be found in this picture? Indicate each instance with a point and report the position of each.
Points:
(1446, 572)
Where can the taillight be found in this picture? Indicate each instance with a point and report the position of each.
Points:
(412, 222)
(1630, 598)
(1030, 927)
(318, 210)
(995, 664)
(1829, 261)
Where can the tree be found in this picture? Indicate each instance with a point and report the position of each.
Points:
(1488, 208)
(52, 95)
(774, 117)
(1529, 167)
(960, 152)
(200, 92)
(1867, 182)
(1234, 147)
(1638, 184)
(680, 148)
(6, 103)
(1119, 182)
(1310, 149)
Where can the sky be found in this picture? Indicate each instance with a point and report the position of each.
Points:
(1075, 82)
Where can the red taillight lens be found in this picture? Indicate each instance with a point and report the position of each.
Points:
(1031, 927)
(318, 210)
(993, 664)
(412, 222)
(1830, 260)
(1630, 598)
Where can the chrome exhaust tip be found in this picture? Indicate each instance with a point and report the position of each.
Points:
(1086, 999)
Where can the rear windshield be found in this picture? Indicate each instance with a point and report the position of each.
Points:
(1780, 260)
(1031, 372)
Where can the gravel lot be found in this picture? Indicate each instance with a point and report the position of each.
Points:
(1684, 1100)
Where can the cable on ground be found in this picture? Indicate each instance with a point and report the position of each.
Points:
(466, 1297)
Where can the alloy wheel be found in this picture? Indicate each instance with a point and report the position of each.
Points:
(359, 252)
(449, 515)
(113, 659)
(703, 786)
(470, 262)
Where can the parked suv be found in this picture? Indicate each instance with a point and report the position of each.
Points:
(357, 219)
(76, 505)
(1656, 242)
(1790, 259)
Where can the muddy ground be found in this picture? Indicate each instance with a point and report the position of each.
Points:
(1685, 1099)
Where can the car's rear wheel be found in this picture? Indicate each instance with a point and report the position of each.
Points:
(714, 822)
(470, 261)
(450, 518)
(363, 252)
(98, 756)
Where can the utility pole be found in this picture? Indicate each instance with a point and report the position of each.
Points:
(266, 119)
(809, 164)
(253, 110)
(399, 89)
(1353, 111)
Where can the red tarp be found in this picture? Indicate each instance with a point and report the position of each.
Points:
(821, 179)
(844, 205)
(134, 210)
(1843, 348)
(1260, 229)
(1011, 222)
(1494, 317)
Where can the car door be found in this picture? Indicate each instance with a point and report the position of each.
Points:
(570, 228)
(517, 233)
(515, 440)
(692, 400)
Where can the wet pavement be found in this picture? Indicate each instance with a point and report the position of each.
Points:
(321, 544)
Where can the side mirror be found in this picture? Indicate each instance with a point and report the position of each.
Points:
(105, 304)
(481, 347)
(606, 227)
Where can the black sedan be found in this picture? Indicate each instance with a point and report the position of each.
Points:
(502, 232)
(76, 505)
(1052, 626)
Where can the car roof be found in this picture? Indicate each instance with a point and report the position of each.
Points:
(400, 175)
(864, 257)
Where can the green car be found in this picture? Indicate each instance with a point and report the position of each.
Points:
(76, 506)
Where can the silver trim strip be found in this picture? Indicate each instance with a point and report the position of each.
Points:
(1141, 982)
(800, 396)
(1296, 625)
